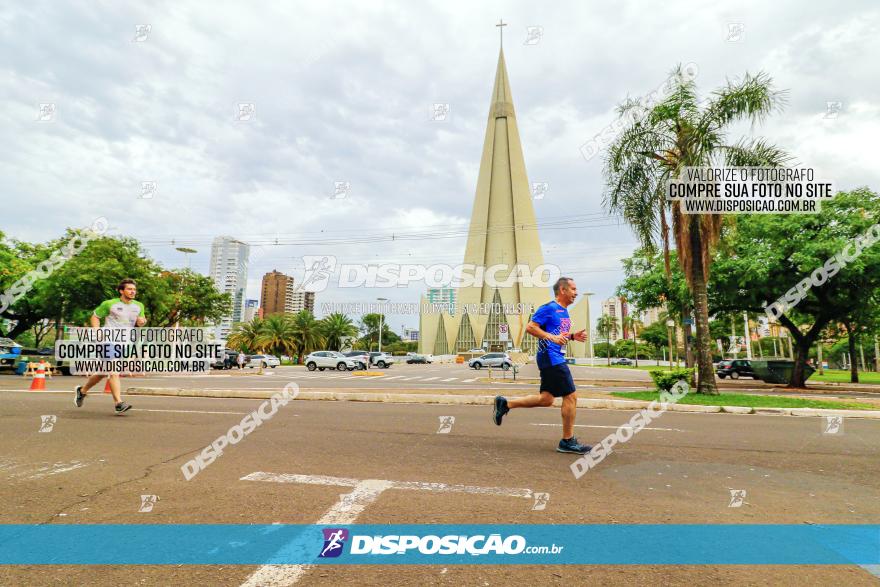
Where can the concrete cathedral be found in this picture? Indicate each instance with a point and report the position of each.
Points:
(503, 231)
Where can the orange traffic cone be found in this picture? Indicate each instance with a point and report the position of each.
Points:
(39, 381)
(107, 386)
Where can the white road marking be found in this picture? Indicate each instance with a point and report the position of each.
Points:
(189, 411)
(395, 377)
(613, 427)
(450, 379)
(430, 378)
(348, 508)
(411, 378)
(47, 470)
(468, 380)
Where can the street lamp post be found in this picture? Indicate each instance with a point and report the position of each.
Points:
(187, 252)
(380, 322)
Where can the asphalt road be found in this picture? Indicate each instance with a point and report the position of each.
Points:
(93, 467)
(448, 377)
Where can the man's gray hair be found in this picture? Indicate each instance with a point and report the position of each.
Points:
(562, 281)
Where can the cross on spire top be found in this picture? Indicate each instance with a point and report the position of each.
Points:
(500, 24)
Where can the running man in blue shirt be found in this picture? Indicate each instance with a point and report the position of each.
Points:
(551, 325)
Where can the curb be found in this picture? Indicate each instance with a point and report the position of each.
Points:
(410, 398)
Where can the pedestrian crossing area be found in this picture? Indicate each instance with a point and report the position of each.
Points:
(348, 376)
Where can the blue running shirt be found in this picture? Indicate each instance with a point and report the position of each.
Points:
(553, 319)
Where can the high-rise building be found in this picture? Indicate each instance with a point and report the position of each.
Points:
(650, 315)
(616, 307)
(490, 315)
(302, 300)
(276, 293)
(442, 295)
(281, 296)
(251, 310)
(228, 270)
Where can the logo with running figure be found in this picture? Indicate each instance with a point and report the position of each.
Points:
(334, 541)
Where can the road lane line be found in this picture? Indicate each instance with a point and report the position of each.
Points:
(349, 507)
(450, 379)
(612, 427)
(469, 380)
(189, 411)
(345, 511)
(430, 378)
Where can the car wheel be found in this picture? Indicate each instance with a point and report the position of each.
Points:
(381, 364)
(321, 368)
(386, 366)
(505, 366)
(352, 368)
(65, 371)
(478, 366)
(340, 366)
(734, 375)
(720, 376)
(273, 366)
(311, 366)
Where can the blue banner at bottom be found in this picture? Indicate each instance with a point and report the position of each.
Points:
(419, 544)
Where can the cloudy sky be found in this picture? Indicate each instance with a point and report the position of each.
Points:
(343, 92)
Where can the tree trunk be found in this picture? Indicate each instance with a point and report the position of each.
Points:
(706, 382)
(853, 367)
(798, 378)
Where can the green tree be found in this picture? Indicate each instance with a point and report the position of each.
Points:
(278, 335)
(369, 328)
(245, 336)
(606, 326)
(307, 331)
(186, 298)
(633, 324)
(766, 256)
(335, 328)
(658, 142)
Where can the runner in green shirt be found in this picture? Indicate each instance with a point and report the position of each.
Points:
(121, 312)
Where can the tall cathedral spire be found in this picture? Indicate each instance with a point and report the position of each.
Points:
(503, 231)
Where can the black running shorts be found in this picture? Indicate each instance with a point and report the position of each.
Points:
(557, 380)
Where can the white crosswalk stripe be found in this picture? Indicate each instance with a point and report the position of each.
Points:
(430, 378)
(468, 380)
(450, 379)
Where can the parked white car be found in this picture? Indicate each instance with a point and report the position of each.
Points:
(383, 360)
(501, 360)
(266, 360)
(321, 360)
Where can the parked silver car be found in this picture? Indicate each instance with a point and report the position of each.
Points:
(501, 360)
(321, 360)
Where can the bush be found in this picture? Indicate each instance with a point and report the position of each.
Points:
(664, 379)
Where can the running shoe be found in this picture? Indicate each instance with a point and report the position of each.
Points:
(500, 409)
(122, 407)
(79, 397)
(572, 445)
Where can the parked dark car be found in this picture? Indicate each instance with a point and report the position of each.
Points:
(735, 369)
(623, 361)
(412, 359)
(227, 361)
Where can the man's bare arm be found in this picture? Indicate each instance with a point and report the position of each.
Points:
(95, 321)
(536, 331)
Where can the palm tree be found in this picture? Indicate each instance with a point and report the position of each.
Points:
(245, 336)
(633, 324)
(278, 334)
(336, 328)
(605, 326)
(661, 139)
(307, 333)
